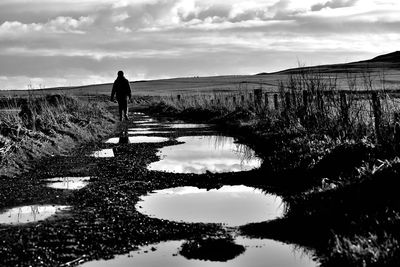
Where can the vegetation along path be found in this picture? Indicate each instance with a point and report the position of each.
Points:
(102, 219)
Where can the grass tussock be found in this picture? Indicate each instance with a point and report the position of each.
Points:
(42, 126)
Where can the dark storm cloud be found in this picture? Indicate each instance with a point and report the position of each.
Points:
(334, 4)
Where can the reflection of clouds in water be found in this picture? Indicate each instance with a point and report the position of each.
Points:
(199, 154)
(31, 213)
(259, 253)
(232, 205)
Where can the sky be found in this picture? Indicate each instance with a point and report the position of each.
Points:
(47, 43)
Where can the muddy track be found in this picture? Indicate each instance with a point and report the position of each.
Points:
(102, 220)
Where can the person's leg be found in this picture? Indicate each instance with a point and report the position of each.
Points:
(126, 108)
(120, 110)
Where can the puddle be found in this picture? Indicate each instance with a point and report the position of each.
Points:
(258, 253)
(104, 153)
(200, 154)
(148, 132)
(187, 125)
(31, 213)
(138, 113)
(138, 139)
(143, 121)
(69, 183)
(138, 129)
(230, 205)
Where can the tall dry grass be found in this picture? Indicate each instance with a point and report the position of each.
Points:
(37, 126)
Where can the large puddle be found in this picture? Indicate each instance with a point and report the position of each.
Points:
(68, 183)
(187, 125)
(258, 253)
(31, 213)
(138, 139)
(230, 205)
(199, 154)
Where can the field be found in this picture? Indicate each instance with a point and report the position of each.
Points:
(329, 137)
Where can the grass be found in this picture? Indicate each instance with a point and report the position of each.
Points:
(43, 126)
(325, 158)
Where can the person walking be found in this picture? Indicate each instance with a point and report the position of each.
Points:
(122, 91)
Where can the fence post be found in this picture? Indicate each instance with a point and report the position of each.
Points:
(178, 97)
(242, 99)
(234, 100)
(257, 97)
(344, 109)
(276, 103)
(320, 102)
(376, 105)
(287, 101)
(266, 103)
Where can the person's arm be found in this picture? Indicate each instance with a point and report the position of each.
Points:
(113, 92)
(129, 91)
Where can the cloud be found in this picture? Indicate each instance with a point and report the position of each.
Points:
(166, 38)
(334, 4)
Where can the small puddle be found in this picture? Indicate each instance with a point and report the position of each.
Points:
(104, 153)
(258, 253)
(187, 125)
(69, 183)
(144, 121)
(200, 154)
(138, 139)
(31, 213)
(148, 132)
(230, 205)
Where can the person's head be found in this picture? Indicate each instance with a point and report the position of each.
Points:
(120, 73)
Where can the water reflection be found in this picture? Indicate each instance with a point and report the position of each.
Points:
(104, 153)
(200, 154)
(31, 213)
(138, 139)
(259, 253)
(69, 183)
(149, 132)
(187, 125)
(230, 205)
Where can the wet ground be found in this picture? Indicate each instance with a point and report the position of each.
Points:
(156, 193)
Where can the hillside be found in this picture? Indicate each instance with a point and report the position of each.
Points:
(389, 63)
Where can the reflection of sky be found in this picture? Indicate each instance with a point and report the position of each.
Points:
(71, 183)
(186, 125)
(147, 132)
(31, 213)
(259, 253)
(231, 205)
(205, 153)
(139, 139)
(104, 153)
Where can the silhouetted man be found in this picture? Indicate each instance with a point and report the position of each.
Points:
(122, 90)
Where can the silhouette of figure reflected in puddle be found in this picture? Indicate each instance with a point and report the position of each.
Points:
(123, 137)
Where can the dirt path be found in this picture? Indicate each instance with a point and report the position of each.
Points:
(102, 220)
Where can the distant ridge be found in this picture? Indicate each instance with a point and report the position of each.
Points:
(386, 61)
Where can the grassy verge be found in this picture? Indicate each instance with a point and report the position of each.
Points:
(339, 183)
(32, 128)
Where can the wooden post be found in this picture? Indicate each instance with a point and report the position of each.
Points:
(376, 106)
(257, 97)
(266, 103)
(234, 100)
(178, 97)
(242, 99)
(287, 101)
(276, 103)
(344, 108)
(320, 102)
(218, 101)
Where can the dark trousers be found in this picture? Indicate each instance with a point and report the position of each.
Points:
(123, 107)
